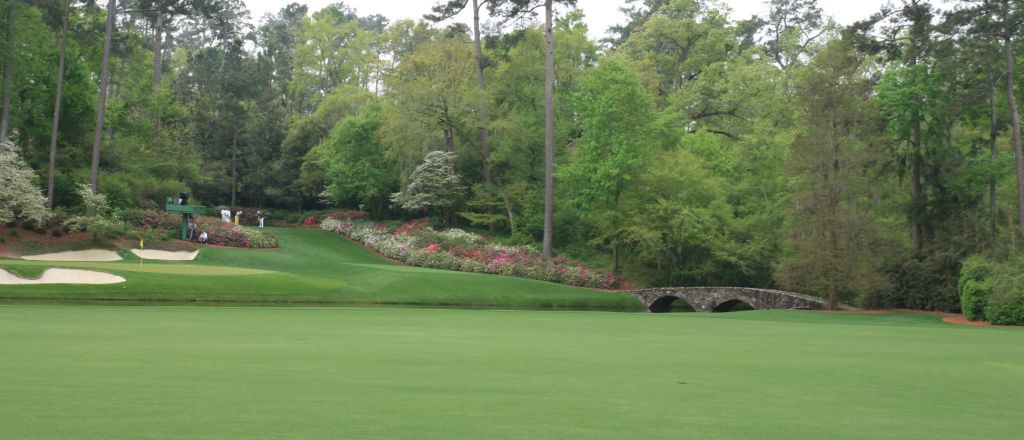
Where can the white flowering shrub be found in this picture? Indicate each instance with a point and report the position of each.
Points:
(331, 225)
(395, 246)
(433, 185)
(19, 197)
(458, 235)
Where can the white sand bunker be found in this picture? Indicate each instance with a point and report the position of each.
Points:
(87, 255)
(63, 276)
(165, 255)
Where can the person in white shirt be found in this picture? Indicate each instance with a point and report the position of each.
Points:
(225, 215)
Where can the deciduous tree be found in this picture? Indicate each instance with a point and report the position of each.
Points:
(19, 196)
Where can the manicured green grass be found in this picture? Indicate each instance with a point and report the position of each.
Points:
(223, 373)
(311, 266)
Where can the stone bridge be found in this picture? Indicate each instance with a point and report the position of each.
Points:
(715, 299)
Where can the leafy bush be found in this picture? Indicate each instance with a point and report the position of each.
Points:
(96, 204)
(928, 283)
(99, 226)
(1006, 305)
(993, 290)
(975, 286)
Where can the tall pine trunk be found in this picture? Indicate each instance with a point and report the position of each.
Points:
(833, 223)
(992, 133)
(234, 169)
(158, 53)
(56, 106)
(485, 140)
(5, 114)
(485, 137)
(101, 107)
(1014, 117)
(916, 191)
(158, 60)
(549, 130)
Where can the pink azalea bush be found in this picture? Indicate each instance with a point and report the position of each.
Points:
(416, 244)
(225, 234)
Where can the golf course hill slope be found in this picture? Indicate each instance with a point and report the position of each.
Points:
(309, 267)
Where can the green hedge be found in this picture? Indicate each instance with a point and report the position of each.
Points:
(993, 290)
(926, 283)
(975, 286)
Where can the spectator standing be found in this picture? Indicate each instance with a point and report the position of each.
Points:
(193, 229)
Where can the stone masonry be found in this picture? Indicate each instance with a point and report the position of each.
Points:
(707, 299)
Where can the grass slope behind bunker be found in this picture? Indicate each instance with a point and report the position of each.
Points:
(312, 266)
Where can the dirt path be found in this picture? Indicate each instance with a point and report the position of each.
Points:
(951, 318)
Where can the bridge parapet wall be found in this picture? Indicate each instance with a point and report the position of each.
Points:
(706, 299)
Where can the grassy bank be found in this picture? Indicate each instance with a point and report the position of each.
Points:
(310, 266)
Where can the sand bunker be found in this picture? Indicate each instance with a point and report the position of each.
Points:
(165, 255)
(63, 276)
(87, 255)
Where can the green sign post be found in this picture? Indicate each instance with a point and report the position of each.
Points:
(186, 211)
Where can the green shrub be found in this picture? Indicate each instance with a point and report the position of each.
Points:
(993, 290)
(928, 283)
(1006, 302)
(99, 226)
(1006, 307)
(975, 286)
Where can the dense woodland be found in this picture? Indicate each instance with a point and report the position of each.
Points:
(862, 162)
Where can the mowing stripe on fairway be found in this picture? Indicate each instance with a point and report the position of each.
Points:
(224, 373)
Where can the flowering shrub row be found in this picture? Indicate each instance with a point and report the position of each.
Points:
(454, 249)
(225, 234)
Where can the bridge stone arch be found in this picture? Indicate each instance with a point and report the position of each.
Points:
(665, 304)
(706, 299)
(729, 306)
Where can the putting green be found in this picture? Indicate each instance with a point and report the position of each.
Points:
(224, 373)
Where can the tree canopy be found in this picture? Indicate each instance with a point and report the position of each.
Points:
(781, 150)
